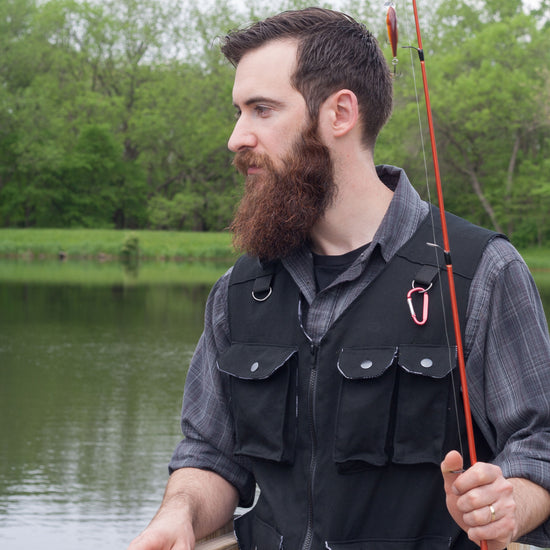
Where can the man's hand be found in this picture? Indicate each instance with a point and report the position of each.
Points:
(166, 531)
(481, 501)
(195, 503)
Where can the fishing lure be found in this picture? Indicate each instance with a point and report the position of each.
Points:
(393, 35)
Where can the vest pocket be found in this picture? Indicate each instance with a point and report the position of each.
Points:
(393, 406)
(262, 382)
(423, 403)
(421, 543)
(254, 534)
(364, 406)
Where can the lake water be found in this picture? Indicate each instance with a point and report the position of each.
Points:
(91, 379)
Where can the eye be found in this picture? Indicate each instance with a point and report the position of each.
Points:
(237, 114)
(262, 110)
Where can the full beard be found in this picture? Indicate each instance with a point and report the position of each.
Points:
(280, 207)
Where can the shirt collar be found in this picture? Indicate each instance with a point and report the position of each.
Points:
(404, 214)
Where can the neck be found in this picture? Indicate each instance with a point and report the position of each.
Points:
(358, 208)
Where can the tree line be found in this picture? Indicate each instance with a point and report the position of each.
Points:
(116, 113)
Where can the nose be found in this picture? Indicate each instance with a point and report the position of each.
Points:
(242, 137)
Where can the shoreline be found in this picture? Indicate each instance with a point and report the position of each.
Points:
(113, 245)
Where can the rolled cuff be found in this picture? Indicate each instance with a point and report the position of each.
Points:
(191, 453)
(535, 467)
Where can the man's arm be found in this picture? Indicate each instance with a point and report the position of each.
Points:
(508, 354)
(489, 507)
(532, 505)
(196, 503)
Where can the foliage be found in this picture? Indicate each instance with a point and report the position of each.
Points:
(108, 107)
(489, 87)
(116, 113)
(129, 253)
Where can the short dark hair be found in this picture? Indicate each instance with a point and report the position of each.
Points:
(334, 52)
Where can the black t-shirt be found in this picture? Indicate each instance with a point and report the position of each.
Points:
(327, 268)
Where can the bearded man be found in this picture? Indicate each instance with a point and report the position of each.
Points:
(311, 380)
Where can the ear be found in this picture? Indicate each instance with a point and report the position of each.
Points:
(341, 113)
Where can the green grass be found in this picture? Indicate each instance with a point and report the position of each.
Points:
(90, 273)
(157, 245)
(537, 258)
(107, 244)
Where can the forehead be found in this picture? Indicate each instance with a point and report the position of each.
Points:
(266, 71)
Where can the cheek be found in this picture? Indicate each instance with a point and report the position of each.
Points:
(277, 150)
(280, 139)
(285, 143)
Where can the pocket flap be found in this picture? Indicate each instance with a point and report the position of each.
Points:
(423, 543)
(432, 361)
(254, 361)
(358, 363)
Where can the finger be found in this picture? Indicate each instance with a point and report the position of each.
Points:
(481, 516)
(451, 468)
(497, 534)
(479, 476)
(452, 463)
(491, 525)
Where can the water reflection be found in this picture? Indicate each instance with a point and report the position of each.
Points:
(90, 391)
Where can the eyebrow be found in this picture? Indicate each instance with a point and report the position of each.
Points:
(260, 99)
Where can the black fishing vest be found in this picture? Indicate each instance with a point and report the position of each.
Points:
(346, 435)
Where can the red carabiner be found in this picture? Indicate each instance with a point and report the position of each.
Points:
(424, 308)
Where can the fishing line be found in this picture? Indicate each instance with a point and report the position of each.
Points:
(434, 244)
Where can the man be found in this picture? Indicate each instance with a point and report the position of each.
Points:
(312, 379)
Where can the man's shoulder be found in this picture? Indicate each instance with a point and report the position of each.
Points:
(218, 292)
(501, 266)
(500, 254)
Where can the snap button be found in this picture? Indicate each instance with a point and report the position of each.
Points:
(426, 363)
(366, 364)
(254, 366)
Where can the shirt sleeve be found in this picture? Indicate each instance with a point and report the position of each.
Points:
(206, 421)
(508, 365)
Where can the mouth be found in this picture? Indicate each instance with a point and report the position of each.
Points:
(248, 163)
(253, 170)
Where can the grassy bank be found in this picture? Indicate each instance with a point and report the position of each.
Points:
(109, 244)
(154, 245)
(93, 272)
(537, 258)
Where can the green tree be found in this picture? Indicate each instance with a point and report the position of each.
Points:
(82, 67)
(489, 103)
(117, 113)
(487, 70)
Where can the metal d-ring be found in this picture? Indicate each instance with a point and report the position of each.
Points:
(422, 288)
(264, 298)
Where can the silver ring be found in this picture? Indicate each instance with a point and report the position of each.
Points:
(264, 298)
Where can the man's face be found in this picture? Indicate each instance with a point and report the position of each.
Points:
(270, 112)
(289, 173)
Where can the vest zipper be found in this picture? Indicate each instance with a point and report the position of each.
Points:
(312, 390)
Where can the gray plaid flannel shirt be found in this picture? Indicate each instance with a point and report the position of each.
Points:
(506, 343)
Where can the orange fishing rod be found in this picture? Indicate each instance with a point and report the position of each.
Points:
(391, 22)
